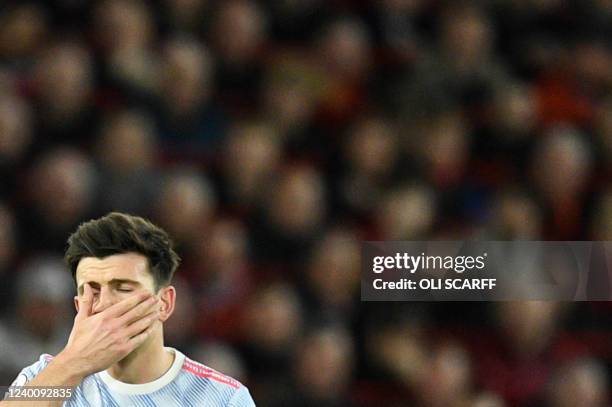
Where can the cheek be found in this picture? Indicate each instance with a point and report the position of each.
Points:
(120, 295)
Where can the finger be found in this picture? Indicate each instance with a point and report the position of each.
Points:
(139, 311)
(141, 324)
(85, 302)
(139, 339)
(120, 308)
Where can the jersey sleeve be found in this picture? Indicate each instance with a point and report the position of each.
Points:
(29, 373)
(242, 398)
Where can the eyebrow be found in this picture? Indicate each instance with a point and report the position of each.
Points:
(114, 281)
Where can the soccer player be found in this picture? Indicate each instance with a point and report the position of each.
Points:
(122, 266)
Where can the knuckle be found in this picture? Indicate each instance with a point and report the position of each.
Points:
(110, 333)
(106, 327)
(117, 337)
(124, 347)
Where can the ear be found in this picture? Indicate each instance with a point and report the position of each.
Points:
(167, 301)
(76, 303)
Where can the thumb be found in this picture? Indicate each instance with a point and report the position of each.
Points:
(85, 302)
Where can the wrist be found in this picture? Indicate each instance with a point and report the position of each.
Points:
(72, 366)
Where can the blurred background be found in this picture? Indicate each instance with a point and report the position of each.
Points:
(270, 137)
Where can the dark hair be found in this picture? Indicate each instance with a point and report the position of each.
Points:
(118, 233)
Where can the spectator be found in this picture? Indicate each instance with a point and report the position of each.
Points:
(293, 215)
(63, 82)
(563, 151)
(272, 327)
(187, 120)
(251, 155)
(237, 35)
(59, 195)
(323, 368)
(15, 140)
(125, 153)
(185, 204)
(332, 277)
(222, 279)
(582, 382)
(42, 317)
(372, 154)
(124, 31)
(406, 213)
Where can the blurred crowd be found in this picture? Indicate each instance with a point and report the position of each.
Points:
(270, 137)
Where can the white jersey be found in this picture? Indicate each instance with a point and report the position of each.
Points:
(186, 383)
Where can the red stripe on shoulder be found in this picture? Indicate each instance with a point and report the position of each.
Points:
(48, 357)
(200, 370)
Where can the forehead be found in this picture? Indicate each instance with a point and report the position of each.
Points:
(131, 266)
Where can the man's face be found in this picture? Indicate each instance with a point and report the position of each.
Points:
(113, 278)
